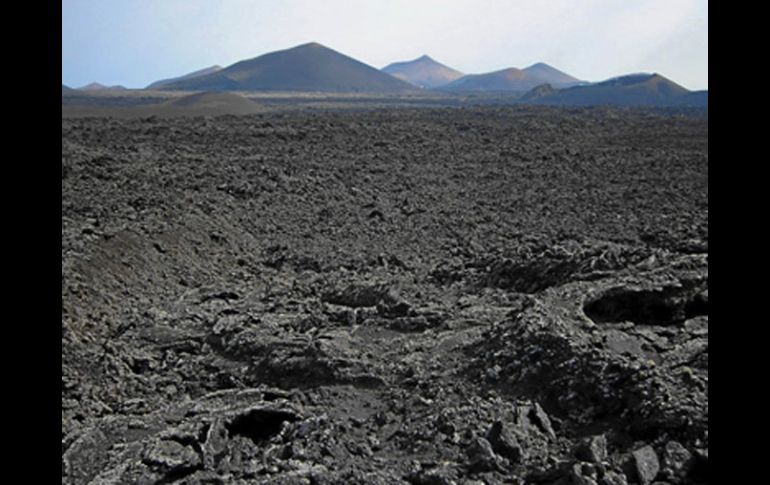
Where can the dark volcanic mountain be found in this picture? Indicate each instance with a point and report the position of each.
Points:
(630, 90)
(538, 92)
(551, 75)
(513, 79)
(510, 79)
(100, 87)
(201, 72)
(308, 67)
(423, 72)
(694, 98)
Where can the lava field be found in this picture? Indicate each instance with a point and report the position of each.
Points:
(429, 296)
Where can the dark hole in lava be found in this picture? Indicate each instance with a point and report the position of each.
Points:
(271, 396)
(667, 306)
(259, 425)
(697, 306)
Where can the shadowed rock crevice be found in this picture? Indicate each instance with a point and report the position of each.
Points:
(259, 425)
(670, 305)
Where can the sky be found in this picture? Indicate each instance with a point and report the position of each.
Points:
(137, 42)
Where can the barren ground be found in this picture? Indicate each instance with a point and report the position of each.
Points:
(425, 296)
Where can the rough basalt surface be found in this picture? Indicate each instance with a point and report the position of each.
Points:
(437, 296)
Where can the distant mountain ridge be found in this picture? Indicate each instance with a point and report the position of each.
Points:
(513, 79)
(551, 75)
(695, 98)
(194, 74)
(313, 67)
(423, 72)
(308, 67)
(94, 86)
(510, 79)
(630, 90)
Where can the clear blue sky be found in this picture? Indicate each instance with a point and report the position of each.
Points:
(136, 42)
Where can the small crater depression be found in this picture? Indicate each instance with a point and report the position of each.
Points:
(670, 305)
(259, 425)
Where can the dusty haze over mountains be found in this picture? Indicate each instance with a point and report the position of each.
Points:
(513, 79)
(137, 43)
(631, 90)
(95, 86)
(308, 67)
(423, 71)
(200, 72)
(314, 68)
(551, 75)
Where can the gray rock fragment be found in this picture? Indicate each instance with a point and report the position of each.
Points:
(170, 456)
(410, 324)
(540, 418)
(593, 449)
(583, 474)
(215, 446)
(360, 295)
(532, 415)
(85, 456)
(441, 475)
(646, 464)
(504, 442)
(481, 456)
(677, 461)
(613, 478)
